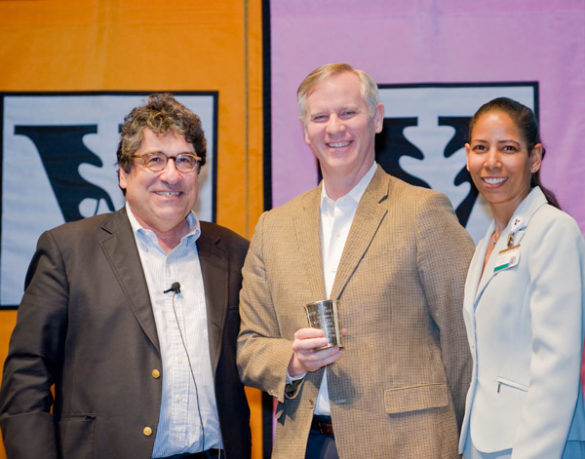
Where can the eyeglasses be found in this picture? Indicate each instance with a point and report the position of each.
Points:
(157, 161)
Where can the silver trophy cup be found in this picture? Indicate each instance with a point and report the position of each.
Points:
(323, 314)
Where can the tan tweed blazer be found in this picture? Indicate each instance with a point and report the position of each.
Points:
(399, 389)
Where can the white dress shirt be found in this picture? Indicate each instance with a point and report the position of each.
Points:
(187, 380)
(336, 219)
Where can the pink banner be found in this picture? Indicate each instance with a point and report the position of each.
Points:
(453, 43)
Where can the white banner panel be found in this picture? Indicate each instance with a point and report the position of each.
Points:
(59, 164)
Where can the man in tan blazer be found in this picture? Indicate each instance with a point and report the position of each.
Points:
(396, 258)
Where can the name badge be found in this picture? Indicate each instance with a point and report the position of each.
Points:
(507, 258)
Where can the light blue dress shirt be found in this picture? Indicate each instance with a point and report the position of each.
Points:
(188, 393)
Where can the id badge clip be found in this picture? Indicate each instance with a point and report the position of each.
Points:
(507, 258)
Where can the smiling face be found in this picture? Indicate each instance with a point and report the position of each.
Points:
(160, 201)
(499, 161)
(339, 128)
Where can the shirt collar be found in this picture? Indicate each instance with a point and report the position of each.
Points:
(137, 228)
(356, 193)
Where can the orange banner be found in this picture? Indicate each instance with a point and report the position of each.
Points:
(130, 45)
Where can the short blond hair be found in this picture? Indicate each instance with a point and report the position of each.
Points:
(369, 88)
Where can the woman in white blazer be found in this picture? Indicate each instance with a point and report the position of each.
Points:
(524, 301)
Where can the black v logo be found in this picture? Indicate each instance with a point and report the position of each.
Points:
(461, 126)
(391, 145)
(62, 150)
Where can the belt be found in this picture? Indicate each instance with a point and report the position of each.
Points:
(322, 424)
(207, 454)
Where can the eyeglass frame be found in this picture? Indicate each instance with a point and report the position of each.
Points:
(145, 156)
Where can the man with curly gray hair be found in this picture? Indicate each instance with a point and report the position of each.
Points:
(131, 317)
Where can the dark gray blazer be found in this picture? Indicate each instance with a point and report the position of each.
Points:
(85, 326)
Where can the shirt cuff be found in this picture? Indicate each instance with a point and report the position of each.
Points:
(290, 379)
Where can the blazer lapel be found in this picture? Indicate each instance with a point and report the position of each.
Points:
(120, 249)
(479, 277)
(517, 224)
(365, 224)
(214, 269)
(307, 225)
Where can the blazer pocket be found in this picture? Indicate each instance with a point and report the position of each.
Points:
(416, 398)
(509, 383)
(76, 435)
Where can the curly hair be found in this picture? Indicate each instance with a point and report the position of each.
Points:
(161, 114)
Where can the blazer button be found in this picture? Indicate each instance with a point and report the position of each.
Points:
(155, 374)
(147, 431)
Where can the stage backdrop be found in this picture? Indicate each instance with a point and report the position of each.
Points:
(436, 62)
(72, 69)
(61, 146)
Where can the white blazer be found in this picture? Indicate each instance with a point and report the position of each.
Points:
(524, 318)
